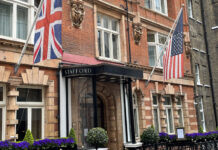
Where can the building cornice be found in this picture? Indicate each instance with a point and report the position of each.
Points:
(107, 5)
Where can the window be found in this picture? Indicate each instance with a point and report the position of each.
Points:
(108, 37)
(156, 113)
(197, 75)
(16, 17)
(157, 5)
(2, 111)
(156, 43)
(190, 8)
(180, 112)
(202, 114)
(136, 116)
(169, 115)
(30, 114)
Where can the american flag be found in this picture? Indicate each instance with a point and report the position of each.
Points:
(173, 56)
(47, 40)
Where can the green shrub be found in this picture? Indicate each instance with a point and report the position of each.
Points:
(217, 128)
(200, 130)
(72, 135)
(149, 136)
(97, 138)
(29, 137)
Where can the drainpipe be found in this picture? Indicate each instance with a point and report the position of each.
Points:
(208, 60)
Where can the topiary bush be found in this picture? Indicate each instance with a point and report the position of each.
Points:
(72, 135)
(97, 138)
(29, 137)
(149, 136)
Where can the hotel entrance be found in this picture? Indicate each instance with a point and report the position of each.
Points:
(97, 96)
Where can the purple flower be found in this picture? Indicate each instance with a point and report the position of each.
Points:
(4, 144)
(21, 145)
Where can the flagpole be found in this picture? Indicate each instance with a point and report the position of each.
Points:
(28, 37)
(162, 50)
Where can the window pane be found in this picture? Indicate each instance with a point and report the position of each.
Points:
(158, 3)
(151, 37)
(1, 123)
(180, 117)
(152, 55)
(29, 95)
(106, 44)
(37, 2)
(162, 39)
(36, 123)
(160, 48)
(24, 0)
(106, 22)
(154, 100)
(5, 19)
(99, 43)
(163, 6)
(189, 8)
(114, 25)
(148, 4)
(156, 121)
(115, 46)
(22, 22)
(170, 120)
(179, 101)
(136, 123)
(1, 93)
(21, 127)
(167, 101)
(166, 120)
(99, 20)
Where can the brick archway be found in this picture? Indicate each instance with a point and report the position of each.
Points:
(110, 114)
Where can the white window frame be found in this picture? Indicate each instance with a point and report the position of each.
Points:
(110, 31)
(158, 112)
(153, 7)
(157, 47)
(31, 105)
(197, 74)
(3, 107)
(179, 107)
(190, 12)
(167, 107)
(201, 110)
(30, 18)
(135, 107)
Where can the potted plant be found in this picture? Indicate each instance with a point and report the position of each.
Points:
(97, 138)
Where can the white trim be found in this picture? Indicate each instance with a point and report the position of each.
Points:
(34, 105)
(123, 114)
(158, 112)
(62, 114)
(214, 28)
(157, 46)
(110, 33)
(3, 107)
(169, 107)
(31, 8)
(203, 117)
(127, 116)
(205, 85)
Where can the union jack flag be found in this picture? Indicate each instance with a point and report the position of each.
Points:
(173, 66)
(47, 40)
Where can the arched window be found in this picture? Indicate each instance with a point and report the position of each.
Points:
(136, 116)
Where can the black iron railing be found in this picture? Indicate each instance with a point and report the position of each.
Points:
(183, 145)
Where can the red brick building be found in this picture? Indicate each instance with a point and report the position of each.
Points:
(95, 34)
(97, 85)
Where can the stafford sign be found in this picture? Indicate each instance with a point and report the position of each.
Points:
(77, 71)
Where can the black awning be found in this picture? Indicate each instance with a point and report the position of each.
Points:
(102, 69)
